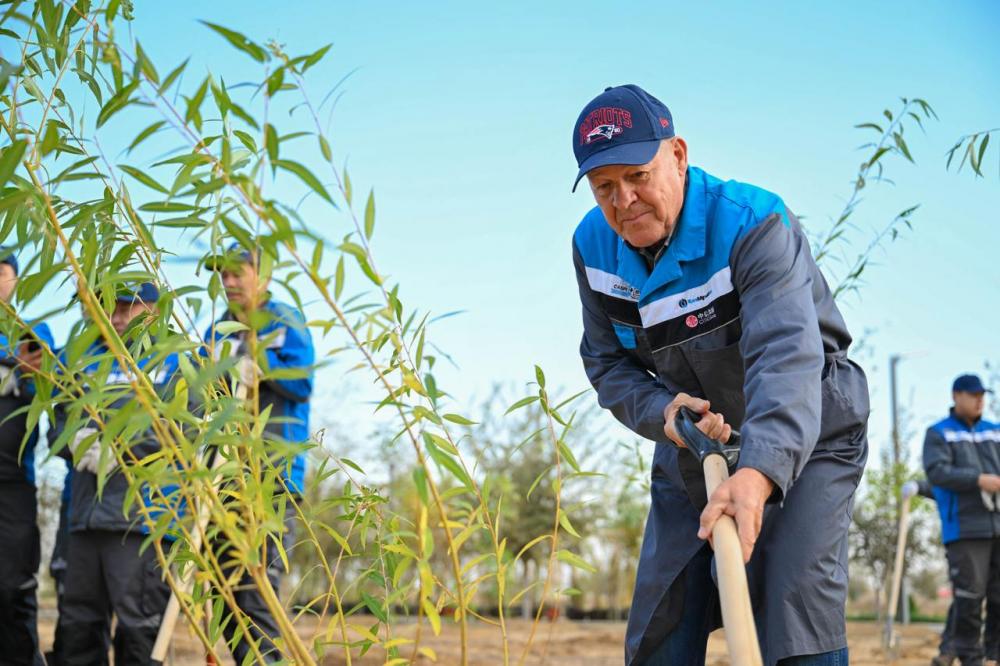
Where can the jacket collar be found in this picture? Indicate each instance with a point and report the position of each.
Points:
(965, 424)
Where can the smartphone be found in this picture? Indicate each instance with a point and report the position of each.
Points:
(33, 344)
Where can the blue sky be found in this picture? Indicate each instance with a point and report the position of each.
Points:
(460, 116)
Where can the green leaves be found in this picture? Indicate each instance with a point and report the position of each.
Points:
(240, 41)
(143, 178)
(271, 143)
(370, 215)
(575, 561)
(10, 158)
(974, 150)
(118, 101)
(305, 175)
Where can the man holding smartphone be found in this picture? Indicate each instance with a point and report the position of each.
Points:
(21, 351)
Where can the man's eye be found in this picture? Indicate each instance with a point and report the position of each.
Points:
(603, 189)
(640, 176)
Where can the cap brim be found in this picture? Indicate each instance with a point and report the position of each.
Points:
(638, 152)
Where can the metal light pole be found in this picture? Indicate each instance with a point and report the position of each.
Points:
(894, 410)
(894, 360)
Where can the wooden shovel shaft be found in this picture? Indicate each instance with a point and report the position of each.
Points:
(897, 571)
(734, 594)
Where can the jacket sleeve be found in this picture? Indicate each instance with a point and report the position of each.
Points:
(625, 388)
(940, 467)
(781, 347)
(294, 353)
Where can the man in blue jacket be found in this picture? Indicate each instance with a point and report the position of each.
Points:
(280, 374)
(962, 461)
(703, 293)
(20, 356)
(108, 572)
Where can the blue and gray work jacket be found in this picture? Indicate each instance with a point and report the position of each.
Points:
(286, 382)
(17, 456)
(734, 311)
(955, 454)
(91, 508)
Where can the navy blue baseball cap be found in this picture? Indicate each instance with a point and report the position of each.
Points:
(969, 384)
(8, 257)
(145, 292)
(622, 125)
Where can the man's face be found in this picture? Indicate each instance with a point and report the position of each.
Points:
(969, 405)
(243, 285)
(126, 311)
(642, 203)
(8, 281)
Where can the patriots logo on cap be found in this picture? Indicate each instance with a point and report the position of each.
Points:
(603, 133)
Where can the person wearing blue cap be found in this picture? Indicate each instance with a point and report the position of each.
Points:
(703, 293)
(278, 370)
(21, 351)
(108, 572)
(962, 462)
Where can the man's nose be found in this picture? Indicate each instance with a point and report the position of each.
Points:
(624, 196)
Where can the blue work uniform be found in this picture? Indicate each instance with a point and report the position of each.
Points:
(108, 572)
(735, 311)
(955, 453)
(285, 385)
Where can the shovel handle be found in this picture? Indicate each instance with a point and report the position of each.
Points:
(734, 593)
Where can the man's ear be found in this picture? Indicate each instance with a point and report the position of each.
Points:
(680, 150)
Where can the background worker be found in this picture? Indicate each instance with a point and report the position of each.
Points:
(20, 356)
(280, 375)
(108, 571)
(962, 461)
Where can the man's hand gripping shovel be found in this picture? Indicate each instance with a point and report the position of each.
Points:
(734, 594)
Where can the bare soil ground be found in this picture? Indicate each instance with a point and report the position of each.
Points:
(566, 643)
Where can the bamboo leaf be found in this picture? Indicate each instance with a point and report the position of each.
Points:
(574, 560)
(145, 64)
(566, 525)
(305, 175)
(432, 614)
(375, 606)
(193, 111)
(271, 143)
(982, 152)
(873, 126)
(370, 215)
(324, 147)
(521, 403)
(239, 40)
(456, 418)
(338, 285)
(172, 76)
(10, 158)
(145, 134)
(119, 101)
(51, 138)
(143, 178)
(315, 57)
